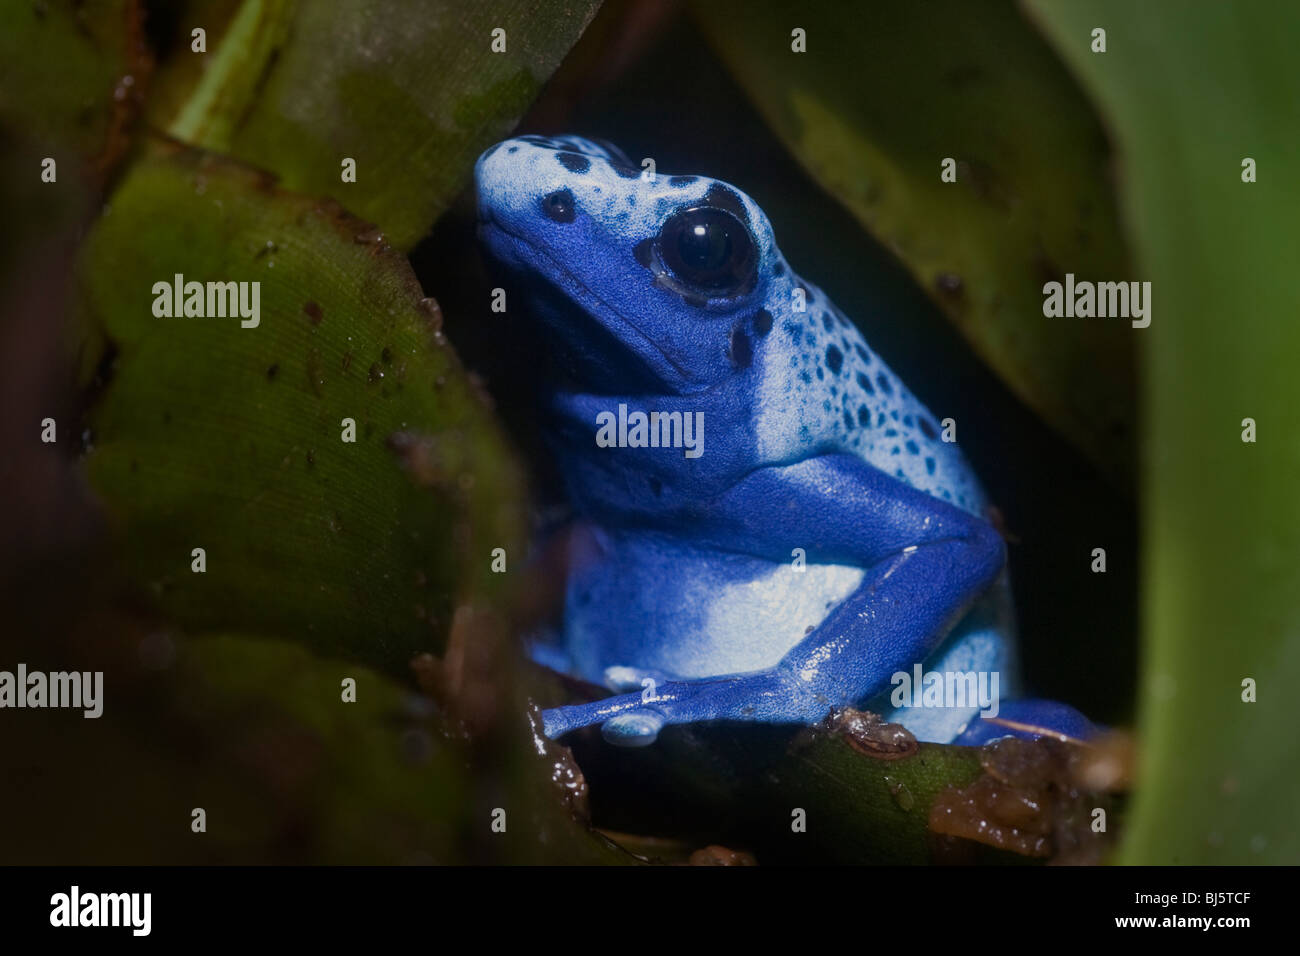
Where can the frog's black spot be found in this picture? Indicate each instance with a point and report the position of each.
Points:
(907, 420)
(631, 200)
(826, 405)
(626, 170)
(898, 472)
(806, 377)
(740, 350)
(862, 353)
(883, 382)
(559, 206)
(811, 340)
(720, 197)
(835, 359)
(913, 448)
(848, 420)
(677, 182)
(804, 433)
(895, 450)
(864, 416)
(835, 391)
(891, 432)
(643, 252)
(929, 466)
(826, 321)
(820, 374)
(573, 162)
(792, 330)
(928, 430)
(596, 190)
(894, 414)
(656, 487)
(778, 268)
(865, 384)
(762, 322)
(880, 419)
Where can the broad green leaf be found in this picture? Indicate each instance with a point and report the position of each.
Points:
(209, 435)
(879, 100)
(412, 93)
(1190, 91)
(255, 733)
(70, 77)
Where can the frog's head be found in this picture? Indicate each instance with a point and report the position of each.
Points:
(648, 284)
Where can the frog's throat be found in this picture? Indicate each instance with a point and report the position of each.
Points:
(677, 375)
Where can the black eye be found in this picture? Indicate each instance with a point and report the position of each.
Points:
(558, 206)
(709, 249)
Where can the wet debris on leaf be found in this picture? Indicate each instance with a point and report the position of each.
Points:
(1038, 798)
(714, 855)
(868, 734)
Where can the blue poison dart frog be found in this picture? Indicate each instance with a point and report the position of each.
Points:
(775, 524)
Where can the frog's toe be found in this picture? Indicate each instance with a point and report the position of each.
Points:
(624, 679)
(636, 729)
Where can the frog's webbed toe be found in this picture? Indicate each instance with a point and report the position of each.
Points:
(638, 729)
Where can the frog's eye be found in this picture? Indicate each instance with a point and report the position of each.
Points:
(709, 249)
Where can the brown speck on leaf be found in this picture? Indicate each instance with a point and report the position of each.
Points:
(272, 370)
(347, 360)
(950, 285)
(375, 373)
(418, 454)
(313, 312)
(370, 236)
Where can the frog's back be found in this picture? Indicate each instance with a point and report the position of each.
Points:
(823, 388)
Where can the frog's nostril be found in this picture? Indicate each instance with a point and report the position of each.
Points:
(559, 206)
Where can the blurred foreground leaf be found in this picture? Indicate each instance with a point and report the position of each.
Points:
(1191, 90)
(874, 107)
(411, 92)
(209, 435)
(70, 76)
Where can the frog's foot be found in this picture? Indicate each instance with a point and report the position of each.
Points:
(634, 720)
(1028, 719)
(623, 680)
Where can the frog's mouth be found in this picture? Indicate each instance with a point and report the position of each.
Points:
(612, 354)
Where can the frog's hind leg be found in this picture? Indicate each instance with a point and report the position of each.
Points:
(1028, 719)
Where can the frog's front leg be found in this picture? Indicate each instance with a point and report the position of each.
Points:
(926, 561)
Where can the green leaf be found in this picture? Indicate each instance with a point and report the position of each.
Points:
(257, 735)
(412, 94)
(871, 111)
(230, 439)
(1191, 90)
(70, 77)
